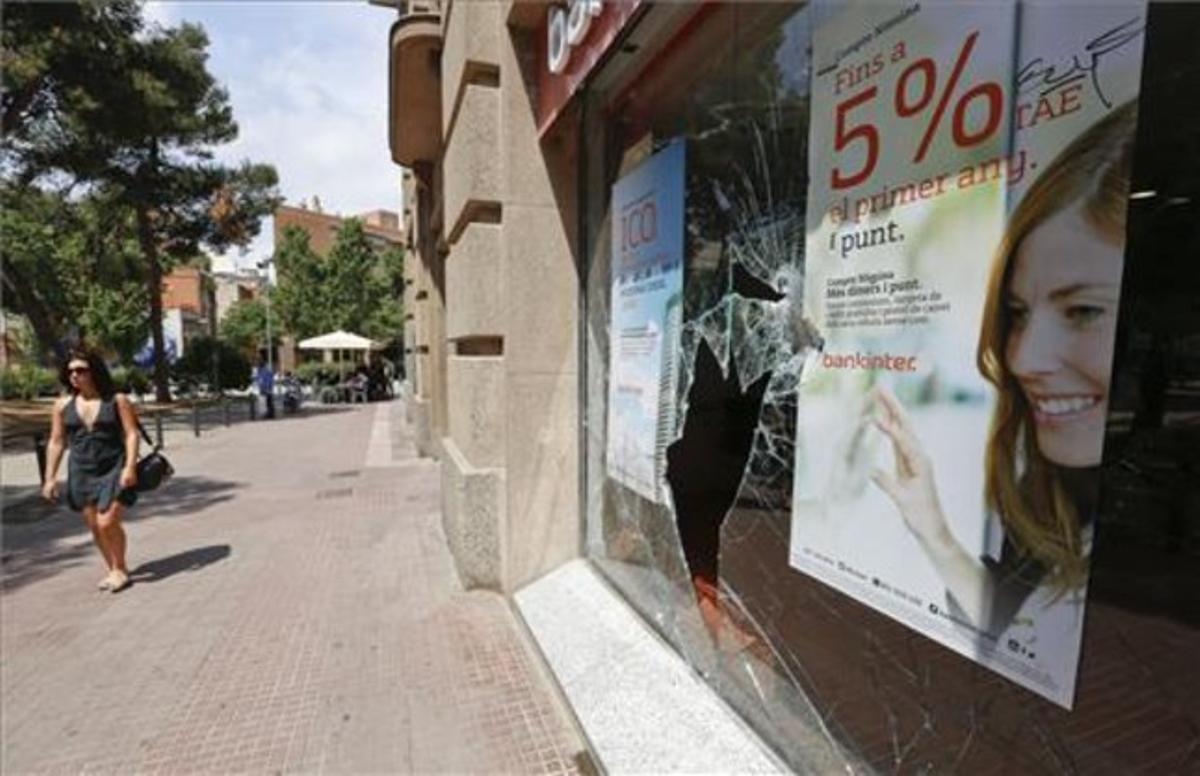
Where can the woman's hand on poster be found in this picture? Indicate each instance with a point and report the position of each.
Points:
(911, 485)
(128, 478)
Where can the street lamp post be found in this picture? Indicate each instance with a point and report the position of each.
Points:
(210, 299)
(265, 265)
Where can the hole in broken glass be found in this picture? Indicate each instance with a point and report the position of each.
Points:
(705, 464)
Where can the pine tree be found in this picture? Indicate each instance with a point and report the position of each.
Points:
(144, 133)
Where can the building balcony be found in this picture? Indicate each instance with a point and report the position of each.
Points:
(414, 83)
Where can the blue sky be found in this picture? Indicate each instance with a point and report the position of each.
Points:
(308, 83)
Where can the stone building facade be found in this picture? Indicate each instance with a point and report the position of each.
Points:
(235, 286)
(515, 121)
(189, 304)
(495, 388)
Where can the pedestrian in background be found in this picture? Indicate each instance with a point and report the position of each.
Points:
(264, 379)
(101, 428)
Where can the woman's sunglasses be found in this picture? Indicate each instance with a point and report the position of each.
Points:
(78, 370)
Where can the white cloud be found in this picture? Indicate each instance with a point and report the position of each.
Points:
(161, 13)
(308, 84)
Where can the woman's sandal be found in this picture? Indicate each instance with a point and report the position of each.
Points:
(119, 582)
(106, 583)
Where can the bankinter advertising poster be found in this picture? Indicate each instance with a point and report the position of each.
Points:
(647, 287)
(969, 178)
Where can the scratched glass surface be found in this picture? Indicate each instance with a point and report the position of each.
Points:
(831, 685)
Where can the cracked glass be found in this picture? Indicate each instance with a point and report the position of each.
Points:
(830, 684)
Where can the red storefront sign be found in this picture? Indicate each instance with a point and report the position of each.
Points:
(571, 40)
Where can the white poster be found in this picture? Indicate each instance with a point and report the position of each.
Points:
(647, 288)
(969, 177)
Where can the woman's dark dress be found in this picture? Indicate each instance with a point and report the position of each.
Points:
(97, 457)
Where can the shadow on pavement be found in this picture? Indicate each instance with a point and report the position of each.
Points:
(40, 540)
(191, 560)
(24, 504)
(183, 495)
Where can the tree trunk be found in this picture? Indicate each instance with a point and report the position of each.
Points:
(162, 385)
(44, 326)
(11, 118)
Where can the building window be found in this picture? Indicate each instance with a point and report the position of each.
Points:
(731, 92)
(691, 466)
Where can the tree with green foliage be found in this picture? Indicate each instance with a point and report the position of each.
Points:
(143, 133)
(56, 56)
(391, 262)
(387, 325)
(161, 161)
(206, 354)
(350, 288)
(38, 260)
(72, 266)
(300, 296)
(245, 325)
(114, 318)
(354, 289)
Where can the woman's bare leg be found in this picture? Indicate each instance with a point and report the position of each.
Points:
(109, 523)
(92, 516)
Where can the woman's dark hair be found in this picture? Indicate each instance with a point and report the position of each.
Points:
(99, 370)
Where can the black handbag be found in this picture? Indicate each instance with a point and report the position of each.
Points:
(153, 469)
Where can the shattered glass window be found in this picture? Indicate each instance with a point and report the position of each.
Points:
(832, 685)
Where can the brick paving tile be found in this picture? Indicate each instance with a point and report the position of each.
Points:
(294, 610)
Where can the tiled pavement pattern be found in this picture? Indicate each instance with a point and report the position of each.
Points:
(293, 611)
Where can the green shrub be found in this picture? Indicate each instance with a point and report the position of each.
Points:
(131, 380)
(120, 379)
(196, 366)
(140, 382)
(317, 373)
(27, 381)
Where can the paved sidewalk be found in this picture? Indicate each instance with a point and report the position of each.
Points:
(294, 609)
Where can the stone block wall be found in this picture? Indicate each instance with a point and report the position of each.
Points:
(510, 449)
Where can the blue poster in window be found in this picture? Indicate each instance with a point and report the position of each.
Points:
(647, 310)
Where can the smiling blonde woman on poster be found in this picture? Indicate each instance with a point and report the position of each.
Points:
(1046, 345)
(101, 428)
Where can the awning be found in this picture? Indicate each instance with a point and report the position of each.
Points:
(339, 340)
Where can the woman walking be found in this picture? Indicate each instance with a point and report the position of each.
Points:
(101, 428)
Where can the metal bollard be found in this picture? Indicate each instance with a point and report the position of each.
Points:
(225, 409)
(39, 450)
(196, 418)
(158, 431)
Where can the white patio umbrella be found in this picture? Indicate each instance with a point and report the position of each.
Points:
(339, 340)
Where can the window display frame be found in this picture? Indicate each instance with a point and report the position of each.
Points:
(856, 690)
